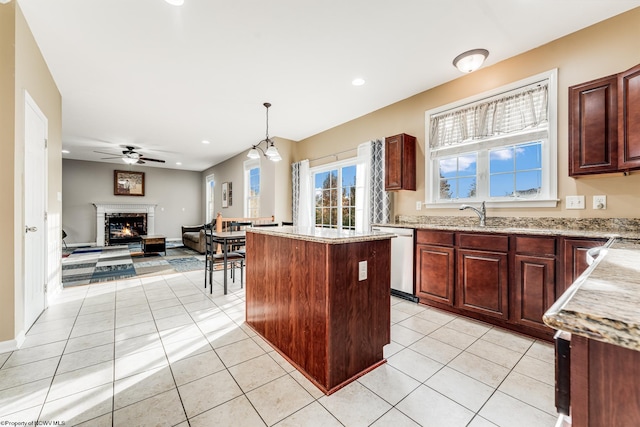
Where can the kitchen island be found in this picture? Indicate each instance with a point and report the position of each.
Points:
(597, 372)
(321, 297)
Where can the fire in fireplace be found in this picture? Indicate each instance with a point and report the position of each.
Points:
(124, 227)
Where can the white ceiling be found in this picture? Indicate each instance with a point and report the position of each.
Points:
(164, 78)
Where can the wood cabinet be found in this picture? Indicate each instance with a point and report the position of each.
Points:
(604, 389)
(575, 260)
(604, 124)
(534, 279)
(400, 162)
(629, 119)
(593, 127)
(507, 280)
(435, 266)
(483, 274)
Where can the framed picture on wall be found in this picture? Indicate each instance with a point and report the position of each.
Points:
(128, 183)
(226, 194)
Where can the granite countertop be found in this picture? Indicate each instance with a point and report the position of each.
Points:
(601, 228)
(321, 235)
(603, 304)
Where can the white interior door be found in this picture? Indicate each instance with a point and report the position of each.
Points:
(35, 185)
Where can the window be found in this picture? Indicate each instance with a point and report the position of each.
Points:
(210, 214)
(252, 188)
(335, 196)
(499, 147)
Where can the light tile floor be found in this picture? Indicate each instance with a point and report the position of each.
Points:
(162, 351)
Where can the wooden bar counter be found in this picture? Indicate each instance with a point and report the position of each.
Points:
(305, 297)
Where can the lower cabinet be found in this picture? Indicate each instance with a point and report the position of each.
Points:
(507, 280)
(483, 282)
(435, 273)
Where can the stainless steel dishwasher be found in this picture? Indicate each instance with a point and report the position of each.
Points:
(401, 261)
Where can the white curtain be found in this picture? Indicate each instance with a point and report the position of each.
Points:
(302, 195)
(515, 111)
(363, 201)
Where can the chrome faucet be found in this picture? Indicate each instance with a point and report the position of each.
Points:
(482, 212)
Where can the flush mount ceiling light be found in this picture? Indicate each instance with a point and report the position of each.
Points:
(470, 60)
(270, 152)
(175, 2)
(357, 81)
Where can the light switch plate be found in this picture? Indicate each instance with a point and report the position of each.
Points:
(418, 206)
(575, 202)
(362, 270)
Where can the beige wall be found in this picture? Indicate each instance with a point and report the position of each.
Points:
(275, 182)
(25, 69)
(7, 138)
(603, 49)
(177, 194)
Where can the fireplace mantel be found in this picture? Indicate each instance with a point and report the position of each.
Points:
(103, 209)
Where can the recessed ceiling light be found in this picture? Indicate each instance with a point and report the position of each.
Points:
(178, 163)
(66, 151)
(357, 81)
(175, 2)
(204, 141)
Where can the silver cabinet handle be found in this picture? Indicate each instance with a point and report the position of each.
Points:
(30, 229)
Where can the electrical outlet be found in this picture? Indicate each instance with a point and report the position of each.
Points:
(599, 202)
(575, 202)
(418, 206)
(362, 270)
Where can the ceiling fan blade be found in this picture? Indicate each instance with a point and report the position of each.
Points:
(140, 162)
(152, 160)
(109, 154)
(108, 158)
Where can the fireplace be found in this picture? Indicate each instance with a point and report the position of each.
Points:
(124, 227)
(104, 210)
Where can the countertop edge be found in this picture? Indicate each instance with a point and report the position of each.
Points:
(291, 233)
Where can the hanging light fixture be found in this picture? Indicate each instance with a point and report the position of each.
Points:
(270, 151)
(470, 60)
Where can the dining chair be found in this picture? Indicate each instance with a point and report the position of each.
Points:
(213, 259)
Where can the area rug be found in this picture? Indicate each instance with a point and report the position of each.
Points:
(94, 265)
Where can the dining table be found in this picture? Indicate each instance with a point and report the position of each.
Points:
(227, 239)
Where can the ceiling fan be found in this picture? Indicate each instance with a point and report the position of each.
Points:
(130, 156)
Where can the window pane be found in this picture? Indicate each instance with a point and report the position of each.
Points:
(348, 176)
(322, 180)
(445, 189)
(326, 198)
(529, 156)
(501, 185)
(333, 183)
(501, 160)
(334, 216)
(467, 165)
(466, 187)
(528, 184)
(448, 167)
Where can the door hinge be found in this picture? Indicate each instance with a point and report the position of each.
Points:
(46, 143)
(46, 216)
(45, 288)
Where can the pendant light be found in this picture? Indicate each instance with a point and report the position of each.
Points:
(270, 151)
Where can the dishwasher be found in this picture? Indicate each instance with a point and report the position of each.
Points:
(401, 261)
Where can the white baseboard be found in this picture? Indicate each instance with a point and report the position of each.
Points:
(12, 345)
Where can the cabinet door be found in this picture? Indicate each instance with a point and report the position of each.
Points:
(435, 273)
(575, 260)
(400, 163)
(534, 289)
(482, 284)
(593, 127)
(629, 119)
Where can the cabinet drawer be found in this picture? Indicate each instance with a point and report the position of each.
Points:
(484, 241)
(443, 238)
(536, 245)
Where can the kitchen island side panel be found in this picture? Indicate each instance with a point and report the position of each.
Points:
(305, 298)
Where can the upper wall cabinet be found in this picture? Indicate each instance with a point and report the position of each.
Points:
(604, 124)
(400, 163)
(629, 119)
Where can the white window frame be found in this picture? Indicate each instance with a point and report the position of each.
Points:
(248, 165)
(329, 167)
(210, 184)
(549, 198)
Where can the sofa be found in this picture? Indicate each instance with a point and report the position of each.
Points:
(193, 237)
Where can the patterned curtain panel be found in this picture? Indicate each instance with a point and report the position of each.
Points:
(379, 212)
